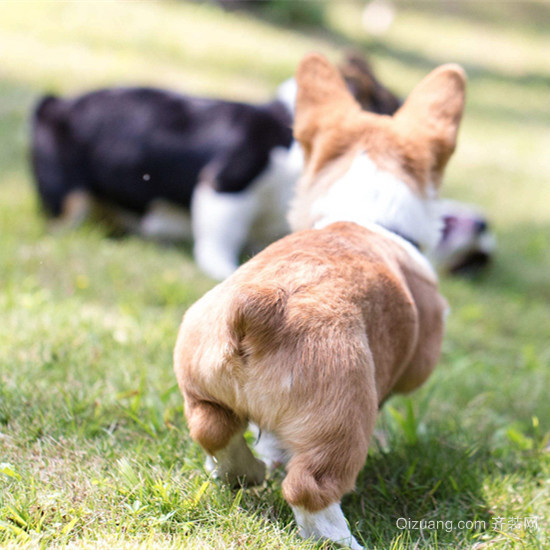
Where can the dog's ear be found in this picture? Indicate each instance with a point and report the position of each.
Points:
(322, 100)
(364, 86)
(431, 114)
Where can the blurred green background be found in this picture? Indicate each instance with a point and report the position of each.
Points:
(93, 446)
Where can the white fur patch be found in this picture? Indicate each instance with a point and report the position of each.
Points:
(367, 195)
(373, 198)
(286, 93)
(274, 188)
(268, 448)
(329, 523)
(223, 223)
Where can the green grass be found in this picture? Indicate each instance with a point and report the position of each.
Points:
(94, 452)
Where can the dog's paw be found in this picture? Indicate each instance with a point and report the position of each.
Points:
(242, 475)
(253, 475)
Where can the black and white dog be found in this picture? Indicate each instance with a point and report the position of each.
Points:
(145, 159)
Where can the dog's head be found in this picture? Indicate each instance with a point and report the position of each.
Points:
(415, 143)
(467, 242)
(407, 151)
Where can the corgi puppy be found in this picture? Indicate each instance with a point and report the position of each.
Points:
(309, 337)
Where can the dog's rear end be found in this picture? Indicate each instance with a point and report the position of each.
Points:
(46, 134)
(57, 163)
(262, 347)
(290, 345)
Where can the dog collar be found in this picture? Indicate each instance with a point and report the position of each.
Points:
(404, 237)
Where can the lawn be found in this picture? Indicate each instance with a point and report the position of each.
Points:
(94, 451)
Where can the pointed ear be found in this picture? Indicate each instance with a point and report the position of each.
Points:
(322, 98)
(432, 112)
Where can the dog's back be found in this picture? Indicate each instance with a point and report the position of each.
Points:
(130, 146)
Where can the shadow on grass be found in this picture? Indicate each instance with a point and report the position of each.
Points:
(436, 480)
(183, 246)
(439, 481)
(474, 70)
(527, 16)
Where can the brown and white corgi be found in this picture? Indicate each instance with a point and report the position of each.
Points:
(309, 337)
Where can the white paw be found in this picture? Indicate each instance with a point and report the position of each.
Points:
(329, 523)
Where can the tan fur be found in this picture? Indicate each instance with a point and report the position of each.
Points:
(309, 337)
(415, 144)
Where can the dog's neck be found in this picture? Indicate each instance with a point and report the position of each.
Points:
(371, 197)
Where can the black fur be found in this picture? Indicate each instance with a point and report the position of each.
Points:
(130, 146)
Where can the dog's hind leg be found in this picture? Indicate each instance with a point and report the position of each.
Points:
(220, 432)
(316, 481)
(329, 442)
(329, 523)
(236, 464)
(59, 165)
